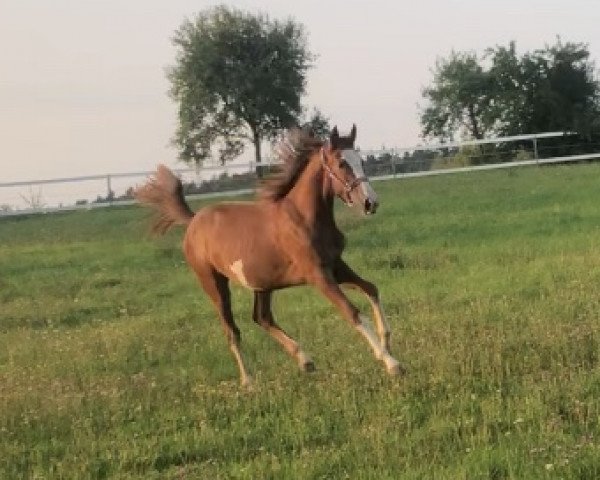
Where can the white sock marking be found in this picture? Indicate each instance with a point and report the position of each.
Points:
(237, 268)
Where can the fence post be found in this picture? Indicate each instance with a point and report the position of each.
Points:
(535, 150)
(109, 190)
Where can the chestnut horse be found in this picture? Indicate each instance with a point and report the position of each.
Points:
(287, 237)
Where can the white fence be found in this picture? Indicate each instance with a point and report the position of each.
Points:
(94, 191)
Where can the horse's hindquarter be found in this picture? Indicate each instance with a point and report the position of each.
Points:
(240, 240)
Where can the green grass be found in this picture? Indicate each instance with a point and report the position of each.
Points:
(113, 364)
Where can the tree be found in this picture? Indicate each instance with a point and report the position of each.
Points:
(546, 90)
(550, 89)
(238, 77)
(459, 98)
(318, 124)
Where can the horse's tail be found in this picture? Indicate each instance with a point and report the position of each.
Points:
(164, 192)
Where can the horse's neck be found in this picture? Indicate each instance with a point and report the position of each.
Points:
(313, 197)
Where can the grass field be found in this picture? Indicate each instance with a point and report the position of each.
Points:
(113, 365)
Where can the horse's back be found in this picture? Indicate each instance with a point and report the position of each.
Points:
(227, 218)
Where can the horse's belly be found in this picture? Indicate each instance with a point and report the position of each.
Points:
(263, 272)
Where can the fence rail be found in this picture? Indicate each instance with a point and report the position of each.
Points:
(237, 179)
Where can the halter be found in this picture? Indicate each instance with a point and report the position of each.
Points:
(348, 186)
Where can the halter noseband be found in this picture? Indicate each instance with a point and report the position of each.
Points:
(348, 186)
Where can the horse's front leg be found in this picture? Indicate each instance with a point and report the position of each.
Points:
(346, 277)
(325, 282)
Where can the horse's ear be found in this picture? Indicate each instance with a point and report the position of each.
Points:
(334, 138)
(353, 133)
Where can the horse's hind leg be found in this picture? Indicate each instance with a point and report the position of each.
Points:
(264, 317)
(216, 286)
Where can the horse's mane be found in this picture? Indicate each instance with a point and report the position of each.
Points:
(293, 151)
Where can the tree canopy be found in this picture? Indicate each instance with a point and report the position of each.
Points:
(501, 93)
(318, 124)
(238, 78)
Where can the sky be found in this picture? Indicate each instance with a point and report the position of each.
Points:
(83, 87)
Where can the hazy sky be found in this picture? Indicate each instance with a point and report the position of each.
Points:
(83, 87)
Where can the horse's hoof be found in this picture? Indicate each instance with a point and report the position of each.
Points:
(396, 370)
(247, 383)
(308, 367)
(305, 363)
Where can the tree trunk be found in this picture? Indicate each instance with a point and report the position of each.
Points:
(256, 139)
(474, 123)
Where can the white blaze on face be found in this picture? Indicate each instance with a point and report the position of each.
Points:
(354, 160)
(237, 268)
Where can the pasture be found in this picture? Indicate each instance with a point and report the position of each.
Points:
(113, 364)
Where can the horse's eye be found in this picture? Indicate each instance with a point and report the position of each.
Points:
(343, 163)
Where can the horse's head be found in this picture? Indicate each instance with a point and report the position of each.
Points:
(344, 166)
